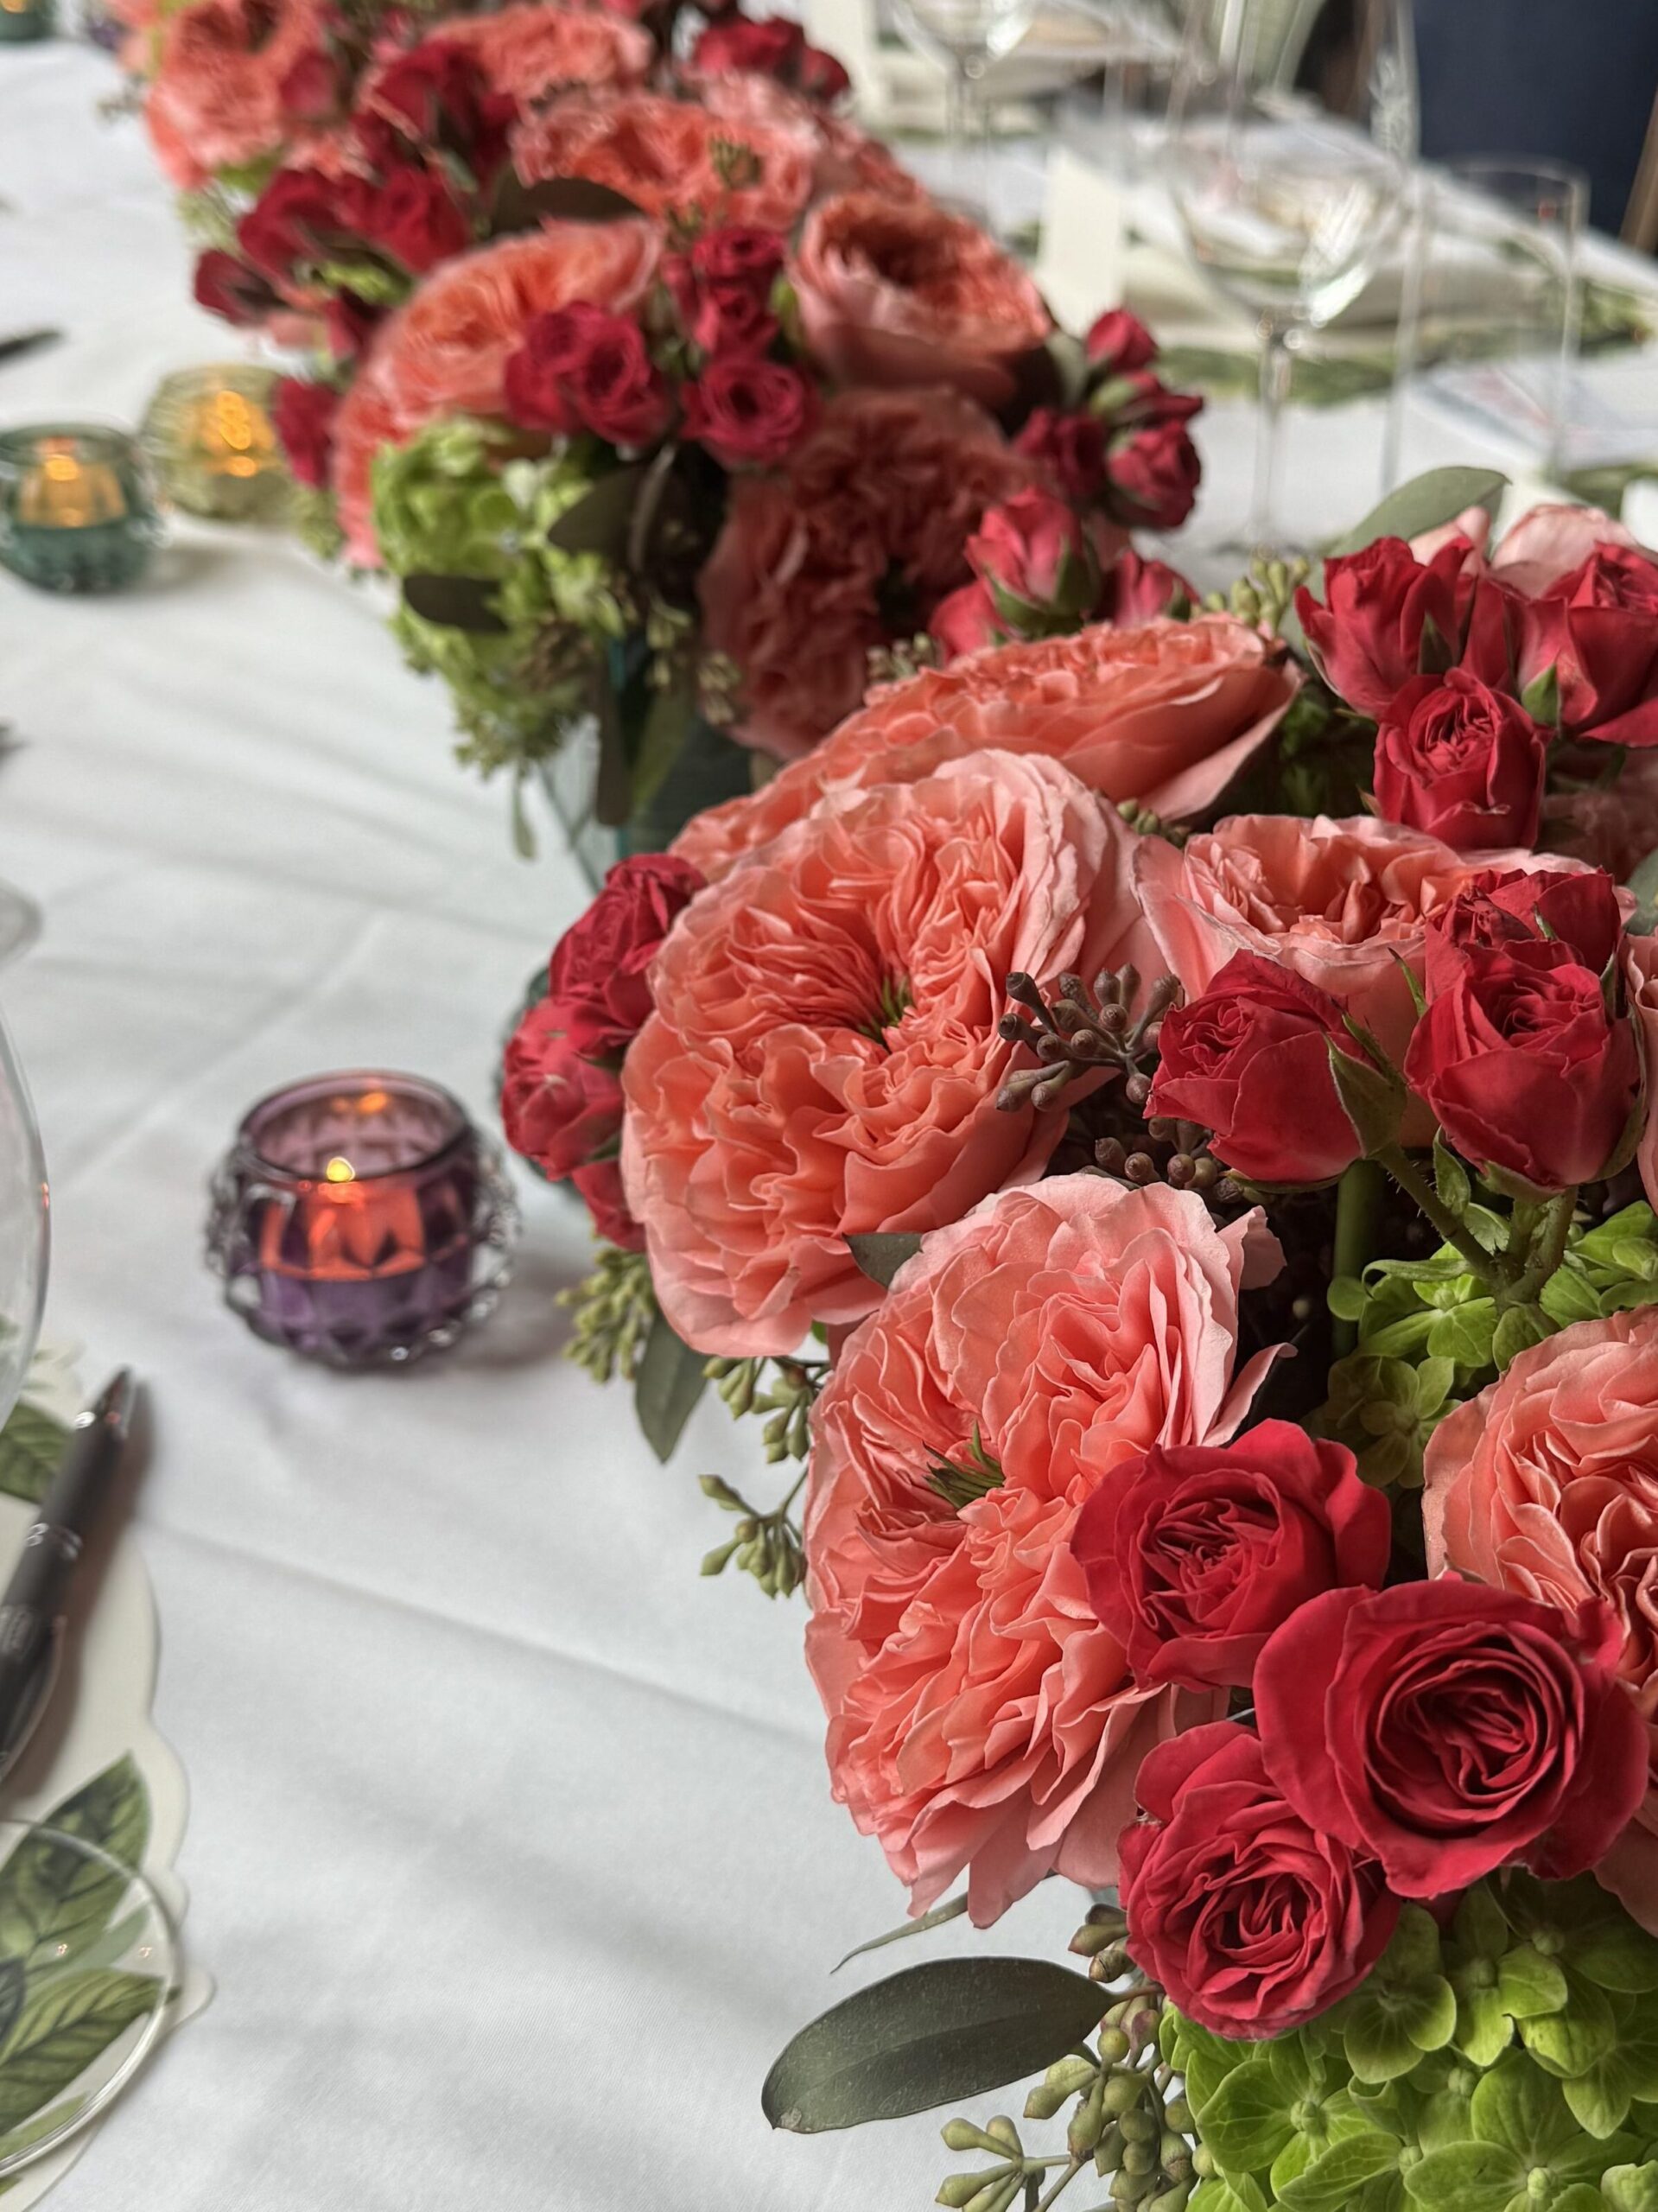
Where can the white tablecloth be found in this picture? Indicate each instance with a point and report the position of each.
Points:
(511, 1849)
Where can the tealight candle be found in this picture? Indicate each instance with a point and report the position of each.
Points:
(75, 512)
(361, 1219)
(25, 19)
(214, 446)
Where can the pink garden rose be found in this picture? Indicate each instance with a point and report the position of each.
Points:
(1546, 1483)
(980, 1717)
(843, 158)
(447, 351)
(1166, 713)
(532, 48)
(900, 293)
(1641, 977)
(1342, 903)
(824, 1056)
(216, 99)
(664, 154)
(882, 496)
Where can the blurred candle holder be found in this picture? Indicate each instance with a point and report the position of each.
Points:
(361, 1219)
(76, 513)
(22, 19)
(208, 435)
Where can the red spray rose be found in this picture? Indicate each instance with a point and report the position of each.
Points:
(1194, 1554)
(1578, 909)
(299, 216)
(1384, 616)
(580, 366)
(721, 289)
(601, 1183)
(740, 253)
(1154, 476)
(1525, 1068)
(1249, 1060)
(596, 979)
(750, 412)
(416, 219)
(769, 48)
(1252, 1920)
(1597, 628)
(302, 416)
(1461, 762)
(819, 76)
(1448, 1730)
(966, 622)
(226, 286)
(1139, 591)
(1069, 449)
(1034, 553)
(559, 1108)
(437, 95)
(1119, 342)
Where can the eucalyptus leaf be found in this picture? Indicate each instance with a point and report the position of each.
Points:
(671, 1378)
(666, 722)
(933, 2034)
(599, 521)
(880, 1255)
(67, 2022)
(31, 1444)
(521, 207)
(455, 603)
(613, 792)
(1426, 502)
(952, 1909)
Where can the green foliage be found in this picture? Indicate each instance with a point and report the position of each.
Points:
(1506, 2064)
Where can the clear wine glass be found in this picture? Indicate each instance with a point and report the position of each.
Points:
(23, 1227)
(965, 36)
(1293, 126)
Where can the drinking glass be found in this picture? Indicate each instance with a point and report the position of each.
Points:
(1293, 124)
(965, 36)
(1143, 46)
(23, 1240)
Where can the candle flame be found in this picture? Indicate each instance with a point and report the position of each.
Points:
(339, 1171)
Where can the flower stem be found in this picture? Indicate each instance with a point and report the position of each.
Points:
(1073, 2167)
(1358, 1208)
(1417, 1187)
(1546, 1248)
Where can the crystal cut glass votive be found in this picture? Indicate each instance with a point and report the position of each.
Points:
(76, 513)
(361, 1219)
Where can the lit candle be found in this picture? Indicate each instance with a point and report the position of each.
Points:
(75, 512)
(214, 446)
(25, 19)
(236, 436)
(65, 491)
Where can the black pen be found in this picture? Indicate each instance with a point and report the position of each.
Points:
(36, 1598)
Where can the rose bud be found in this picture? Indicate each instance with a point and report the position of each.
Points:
(1386, 616)
(750, 412)
(1070, 449)
(299, 216)
(966, 622)
(819, 76)
(1461, 762)
(415, 219)
(1035, 557)
(1527, 1072)
(596, 978)
(601, 1185)
(1118, 342)
(1153, 477)
(225, 286)
(1596, 629)
(1194, 1554)
(558, 1109)
(302, 416)
(771, 48)
(1447, 1729)
(1137, 591)
(1251, 1919)
(1576, 908)
(1250, 1061)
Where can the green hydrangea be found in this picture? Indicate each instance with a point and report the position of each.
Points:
(1509, 2064)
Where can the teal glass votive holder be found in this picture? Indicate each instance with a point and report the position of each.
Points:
(20, 20)
(76, 513)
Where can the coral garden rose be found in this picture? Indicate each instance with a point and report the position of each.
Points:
(1342, 903)
(1166, 713)
(1461, 762)
(904, 293)
(980, 1717)
(1195, 1554)
(596, 977)
(843, 159)
(824, 1056)
(531, 49)
(880, 500)
(1252, 1920)
(447, 351)
(1446, 1730)
(216, 101)
(1641, 977)
(1248, 1060)
(1546, 1483)
(665, 156)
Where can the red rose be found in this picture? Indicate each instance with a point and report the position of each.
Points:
(749, 411)
(819, 76)
(601, 1183)
(1447, 1729)
(302, 415)
(740, 253)
(1597, 628)
(1461, 762)
(596, 978)
(558, 1109)
(1576, 908)
(1385, 617)
(299, 217)
(1119, 342)
(225, 286)
(1250, 1061)
(966, 622)
(1139, 591)
(416, 219)
(438, 96)
(1523, 1065)
(721, 289)
(1138, 401)
(1252, 1920)
(1194, 1554)
(1153, 476)
(1035, 558)
(1071, 449)
(314, 91)
(770, 49)
(350, 323)
(582, 367)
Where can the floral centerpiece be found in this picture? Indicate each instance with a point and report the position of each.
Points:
(668, 400)
(1203, 1253)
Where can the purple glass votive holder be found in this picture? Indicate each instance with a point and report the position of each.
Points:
(361, 1219)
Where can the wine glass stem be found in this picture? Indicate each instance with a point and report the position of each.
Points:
(1276, 366)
